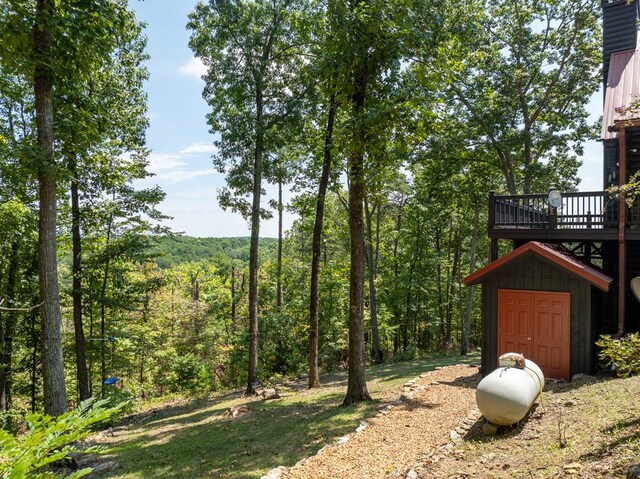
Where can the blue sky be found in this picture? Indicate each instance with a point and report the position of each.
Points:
(181, 144)
(179, 139)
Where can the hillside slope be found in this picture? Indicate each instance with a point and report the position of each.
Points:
(173, 250)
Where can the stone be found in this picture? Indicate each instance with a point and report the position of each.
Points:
(454, 436)
(274, 473)
(634, 472)
(270, 393)
(342, 440)
(363, 425)
(407, 396)
(385, 410)
(411, 474)
(236, 411)
(489, 429)
(258, 388)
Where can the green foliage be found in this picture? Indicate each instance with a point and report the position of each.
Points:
(407, 355)
(48, 440)
(174, 250)
(623, 353)
(189, 373)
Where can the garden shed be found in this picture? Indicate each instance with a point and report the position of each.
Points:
(540, 301)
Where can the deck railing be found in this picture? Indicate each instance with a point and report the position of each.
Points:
(578, 210)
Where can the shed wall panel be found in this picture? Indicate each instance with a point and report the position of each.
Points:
(536, 274)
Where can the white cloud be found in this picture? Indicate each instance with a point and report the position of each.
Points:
(194, 67)
(165, 161)
(178, 175)
(195, 148)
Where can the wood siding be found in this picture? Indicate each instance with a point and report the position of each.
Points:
(533, 273)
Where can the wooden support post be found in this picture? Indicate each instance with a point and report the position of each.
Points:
(622, 219)
(492, 210)
(493, 251)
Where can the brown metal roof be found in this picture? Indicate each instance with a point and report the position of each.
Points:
(591, 275)
(623, 89)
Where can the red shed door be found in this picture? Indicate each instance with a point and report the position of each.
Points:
(536, 324)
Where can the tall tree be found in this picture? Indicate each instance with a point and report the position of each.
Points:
(371, 50)
(524, 90)
(251, 53)
(55, 393)
(314, 304)
(106, 123)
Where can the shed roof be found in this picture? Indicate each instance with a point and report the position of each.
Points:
(588, 273)
(623, 89)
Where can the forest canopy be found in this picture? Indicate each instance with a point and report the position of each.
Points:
(389, 125)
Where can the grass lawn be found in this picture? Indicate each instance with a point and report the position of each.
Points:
(194, 440)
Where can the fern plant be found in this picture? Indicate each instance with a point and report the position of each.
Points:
(49, 440)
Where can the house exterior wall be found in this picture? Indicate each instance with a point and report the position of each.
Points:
(536, 274)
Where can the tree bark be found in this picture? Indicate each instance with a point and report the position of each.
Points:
(55, 393)
(376, 350)
(466, 329)
(233, 300)
(76, 293)
(279, 268)
(7, 329)
(103, 311)
(314, 310)
(356, 384)
(252, 375)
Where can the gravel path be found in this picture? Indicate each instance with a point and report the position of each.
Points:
(401, 437)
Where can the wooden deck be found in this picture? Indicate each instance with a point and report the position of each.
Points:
(581, 216)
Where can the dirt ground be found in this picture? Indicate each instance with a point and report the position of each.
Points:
(401, 437)
(589, 428)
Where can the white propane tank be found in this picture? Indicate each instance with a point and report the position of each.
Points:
(506, 395)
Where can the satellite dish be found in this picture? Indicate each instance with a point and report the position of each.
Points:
(555, 198)
(635, 287)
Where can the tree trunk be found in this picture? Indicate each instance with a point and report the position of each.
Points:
(396, 281)
(376, 350)
(76, 293)
(233, 300)
(7, 330)
(466, 329)
(279, 268)
(356, 384)
(252, 375)
(55, 393)
(314, 310)
(450, 279)
(103, 311)
(34, 360)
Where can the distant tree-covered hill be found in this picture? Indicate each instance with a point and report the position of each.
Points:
(173, 250)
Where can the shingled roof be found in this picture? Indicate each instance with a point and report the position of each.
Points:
(588, 273)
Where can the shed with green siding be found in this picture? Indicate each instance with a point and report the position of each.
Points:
(533, 271)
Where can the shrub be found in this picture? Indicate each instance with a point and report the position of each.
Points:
(189, 374)
(623, 353)
(407, 355)
(49, 440)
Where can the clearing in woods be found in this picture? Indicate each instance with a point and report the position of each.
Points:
(587, 428)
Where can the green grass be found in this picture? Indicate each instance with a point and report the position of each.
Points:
(196, 441)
